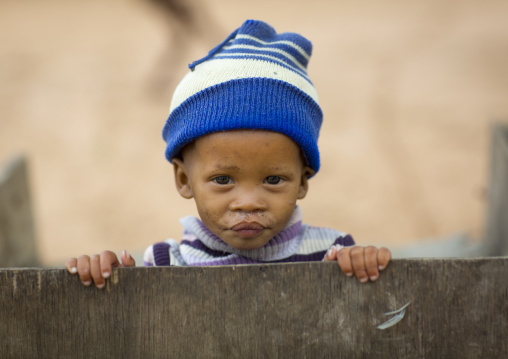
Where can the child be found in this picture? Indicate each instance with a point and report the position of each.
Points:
(242, 137)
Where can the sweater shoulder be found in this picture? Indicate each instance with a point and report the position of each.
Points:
(318, 239)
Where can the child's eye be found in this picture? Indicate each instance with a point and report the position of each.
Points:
(273, 180)
(223, 180)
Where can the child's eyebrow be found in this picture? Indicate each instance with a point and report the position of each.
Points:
(278, 168)
(218, 166)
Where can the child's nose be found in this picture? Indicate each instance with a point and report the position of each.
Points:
(248, 201)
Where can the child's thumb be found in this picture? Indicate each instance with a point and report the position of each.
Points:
(331, 255)
(127, 260)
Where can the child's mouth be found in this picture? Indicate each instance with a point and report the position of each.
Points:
(248, 230)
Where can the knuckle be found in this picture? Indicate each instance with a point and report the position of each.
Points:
(105, 252)
(357, 249)
(357, 252)
(370, 250)
(385, 252)
(344, 250)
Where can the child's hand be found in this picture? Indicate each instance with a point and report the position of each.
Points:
(98, 267)
(364, 262)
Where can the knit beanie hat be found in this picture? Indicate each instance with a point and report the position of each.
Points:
(255, 79)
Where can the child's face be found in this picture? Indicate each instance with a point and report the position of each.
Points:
(245, 183)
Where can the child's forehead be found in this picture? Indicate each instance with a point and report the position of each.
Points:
(245, 138)
(247, 142)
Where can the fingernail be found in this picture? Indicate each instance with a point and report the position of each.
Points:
(106, 274)
(100, 286)
(349, 274)
(380, 267)
(373, 277)
(364, 279)
(87, 283)
(74, 270)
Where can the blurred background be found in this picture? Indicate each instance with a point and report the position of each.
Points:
(409, 91)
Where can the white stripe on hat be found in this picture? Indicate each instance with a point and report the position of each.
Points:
(257, 56)
(269, 49)
(211, 73)
(285, 42)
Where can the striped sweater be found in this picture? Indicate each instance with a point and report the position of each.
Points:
(297, 242)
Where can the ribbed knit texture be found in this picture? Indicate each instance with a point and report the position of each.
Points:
(255, 79)
(200, 247)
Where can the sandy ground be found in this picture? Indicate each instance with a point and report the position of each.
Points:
(409, 91)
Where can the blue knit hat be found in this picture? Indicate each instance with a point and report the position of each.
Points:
(255, 79)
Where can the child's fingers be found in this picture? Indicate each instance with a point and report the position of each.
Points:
(108, 260)
(344, 260)
(331, 255)
(127, 260)
(358, 262)
(364, 262)
(95, 271)
(383, 257)
(84, 270)
(72, 265)
(371, 262)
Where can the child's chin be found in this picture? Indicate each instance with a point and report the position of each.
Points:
(247, 244)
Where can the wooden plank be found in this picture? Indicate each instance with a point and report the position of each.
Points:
(17, 233)
(459, 309)
(497, 213)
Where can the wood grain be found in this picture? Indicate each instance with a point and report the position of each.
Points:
(459, 309)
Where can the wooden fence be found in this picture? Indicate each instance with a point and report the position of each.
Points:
(458, 309)
(497, 213)
(17, 233)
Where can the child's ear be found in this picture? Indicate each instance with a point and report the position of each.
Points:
(182, 179)
(304, 182)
